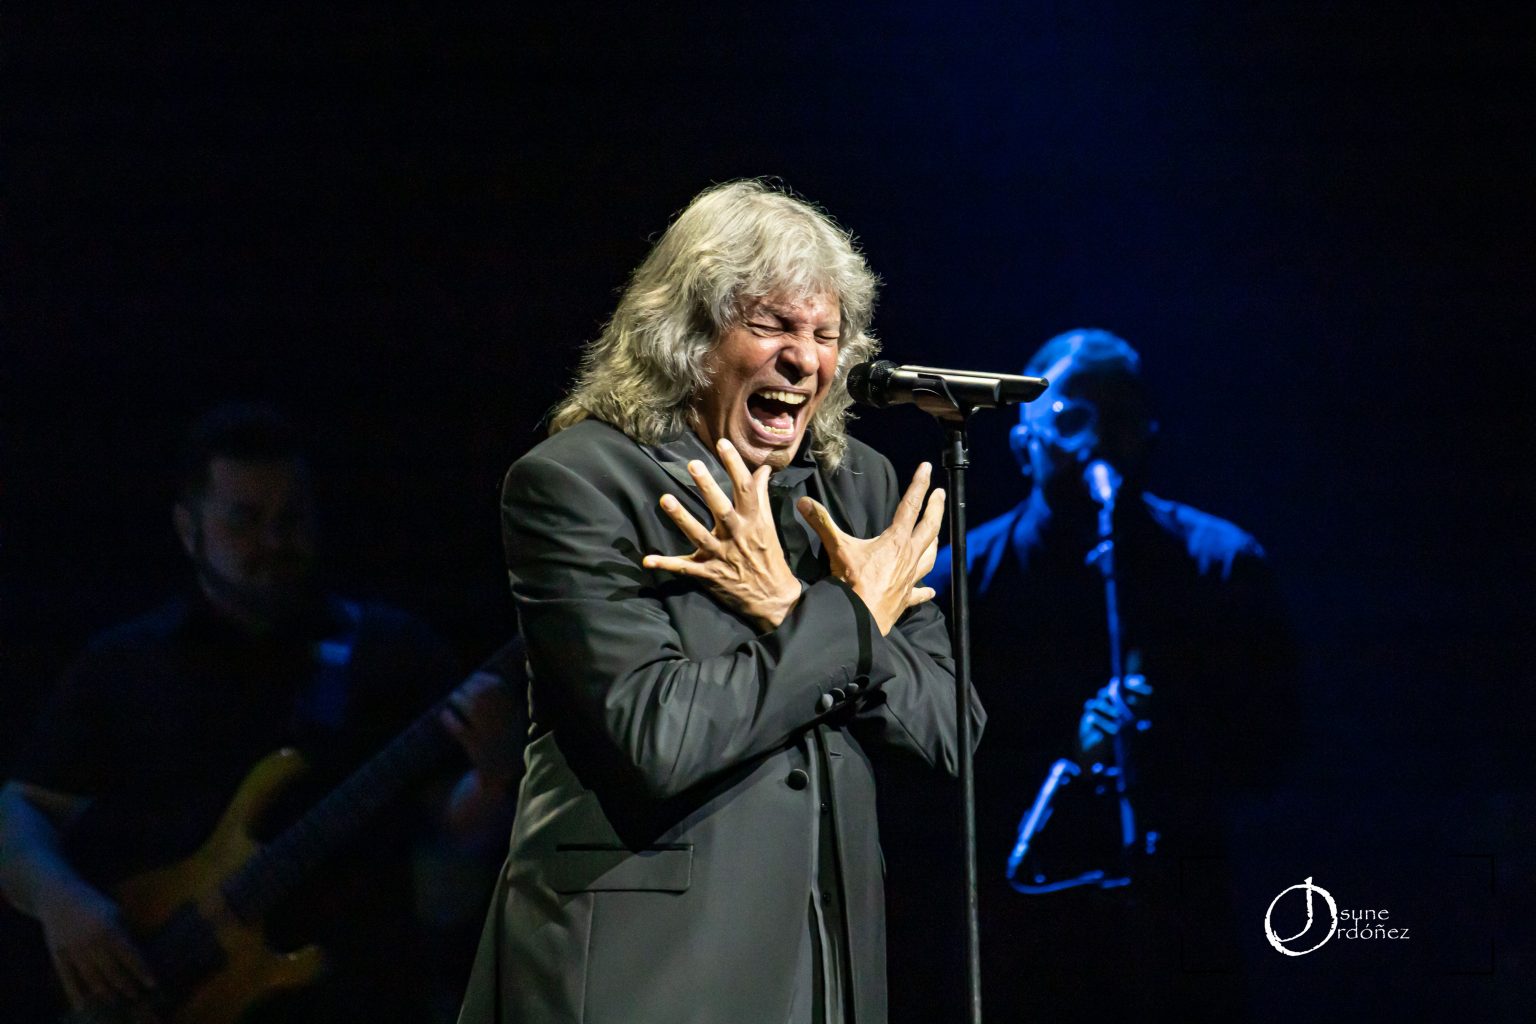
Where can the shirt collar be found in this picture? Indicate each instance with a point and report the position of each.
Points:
(675, 452)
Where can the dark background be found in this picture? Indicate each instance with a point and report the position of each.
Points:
(400, 221)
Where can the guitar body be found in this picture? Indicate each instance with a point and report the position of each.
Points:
(249, 972)
(199, 922)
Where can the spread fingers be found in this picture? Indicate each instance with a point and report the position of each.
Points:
(719, 505)
(928, 528)
(691, 527)
(912, 501)
(820, 520)
(679, 565)
(920, 595)
(930, 555)
(742, 479)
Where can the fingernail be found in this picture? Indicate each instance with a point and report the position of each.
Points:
(668, 502)
(723, 443)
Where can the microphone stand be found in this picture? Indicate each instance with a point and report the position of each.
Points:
(954, 416)
(937, 392)
(957, 461)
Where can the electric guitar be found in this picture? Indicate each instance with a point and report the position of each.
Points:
(199, 923)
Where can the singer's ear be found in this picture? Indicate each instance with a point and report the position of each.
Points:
(1018, 443)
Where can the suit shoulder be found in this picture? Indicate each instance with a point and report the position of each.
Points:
(865, 484)
(590, 450)
(580, 446)
(1210, 540)
(859, 459)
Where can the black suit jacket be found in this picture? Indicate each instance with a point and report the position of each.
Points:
(662, 857)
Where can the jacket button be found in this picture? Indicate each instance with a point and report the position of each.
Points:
(797, 779)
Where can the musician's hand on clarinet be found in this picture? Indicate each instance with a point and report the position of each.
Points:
(886, 571)
(1112, 707)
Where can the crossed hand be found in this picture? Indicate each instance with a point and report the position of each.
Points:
(742, 564)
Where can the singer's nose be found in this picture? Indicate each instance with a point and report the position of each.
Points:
(798, 359)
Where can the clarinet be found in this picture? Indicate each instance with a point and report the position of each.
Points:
(1115, 778)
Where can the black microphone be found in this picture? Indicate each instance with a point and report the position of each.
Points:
(883, 383)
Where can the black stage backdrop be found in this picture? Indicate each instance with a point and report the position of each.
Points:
(400, 221)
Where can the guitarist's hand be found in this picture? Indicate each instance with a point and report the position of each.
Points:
(482, 716)
(93, 955)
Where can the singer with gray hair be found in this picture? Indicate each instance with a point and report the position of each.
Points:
(735, 243)
(721, 596)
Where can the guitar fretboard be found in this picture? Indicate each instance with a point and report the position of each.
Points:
(277, 869)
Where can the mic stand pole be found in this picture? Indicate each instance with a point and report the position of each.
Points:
(940, 402)
(956, 461)
(936, 399)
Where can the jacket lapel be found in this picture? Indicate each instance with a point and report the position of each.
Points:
(833, 498)
(673, 455)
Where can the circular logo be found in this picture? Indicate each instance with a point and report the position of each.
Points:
(1333, 919)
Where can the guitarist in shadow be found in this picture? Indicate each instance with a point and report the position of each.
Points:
(134, 761)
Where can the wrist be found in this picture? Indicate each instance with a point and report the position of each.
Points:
(883, 616)
(67, 899)
(779, 608)
(885, 610)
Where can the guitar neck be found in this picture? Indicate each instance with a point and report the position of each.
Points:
(287, 860)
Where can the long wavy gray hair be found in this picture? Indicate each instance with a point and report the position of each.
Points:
(735, 242)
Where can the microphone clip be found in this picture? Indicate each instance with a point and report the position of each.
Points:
(948, 395)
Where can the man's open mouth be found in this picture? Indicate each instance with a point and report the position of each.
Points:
(773, 411)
